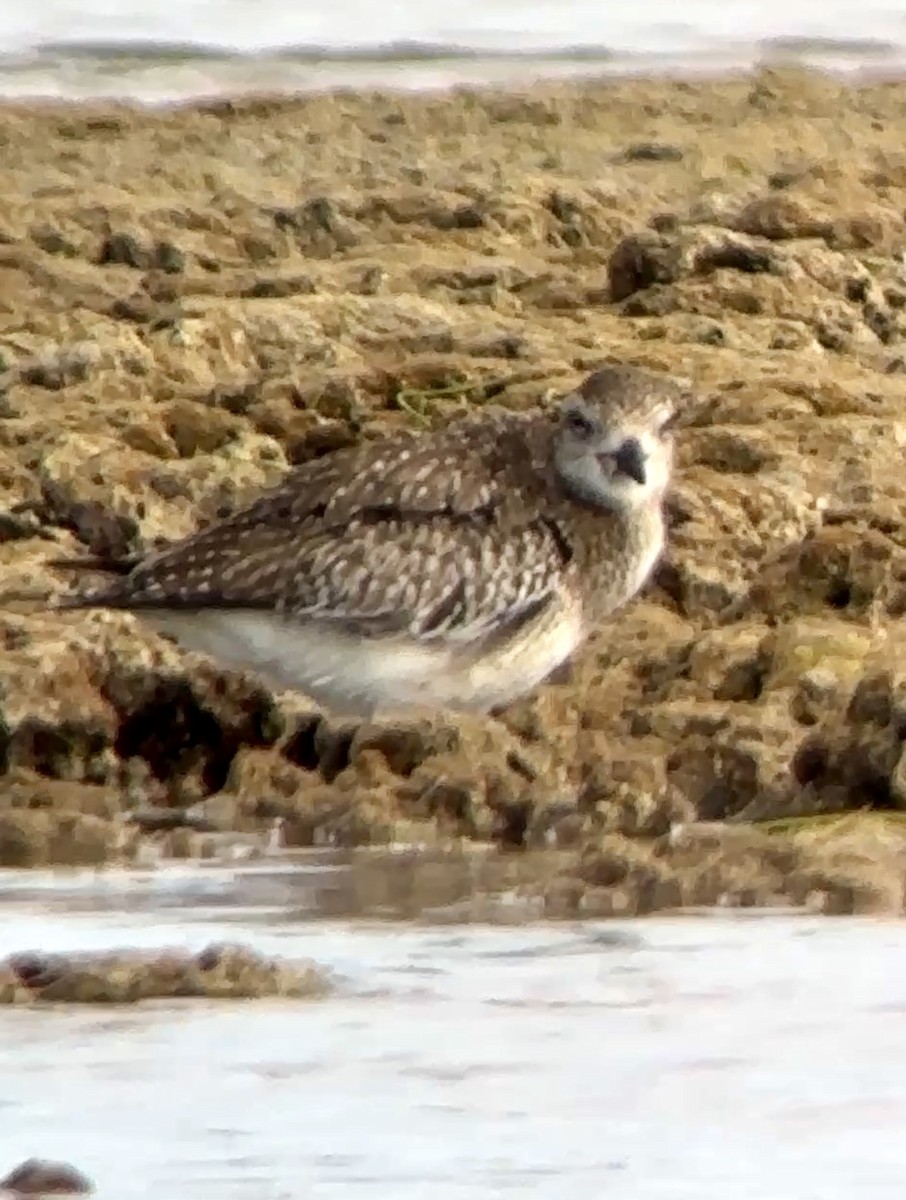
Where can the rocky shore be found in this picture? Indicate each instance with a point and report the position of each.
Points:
(217, 972)
(192, 300)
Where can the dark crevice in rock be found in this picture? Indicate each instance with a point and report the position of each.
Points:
(56, 752)
(176, 734)
(302, 749)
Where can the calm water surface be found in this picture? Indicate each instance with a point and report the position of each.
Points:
(152, 51)
(759, 1058)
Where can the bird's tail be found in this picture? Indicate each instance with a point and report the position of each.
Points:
(102, 564)
(49, 600)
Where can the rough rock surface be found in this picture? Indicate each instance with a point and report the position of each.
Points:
(191, 300)
(218, 972)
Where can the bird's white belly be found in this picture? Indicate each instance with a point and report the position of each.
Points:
(520, 665)
(362, 675)
(330, 666)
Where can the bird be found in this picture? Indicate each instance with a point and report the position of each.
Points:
(455, 570)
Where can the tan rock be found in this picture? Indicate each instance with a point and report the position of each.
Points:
(781, 216)
(169, 347)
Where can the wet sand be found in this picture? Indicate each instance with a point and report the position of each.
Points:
(697, 1056)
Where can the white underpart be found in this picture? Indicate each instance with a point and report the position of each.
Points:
(362, 675)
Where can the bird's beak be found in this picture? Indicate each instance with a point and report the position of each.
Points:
(630, 460)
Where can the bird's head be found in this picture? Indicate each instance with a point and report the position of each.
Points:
(614, 446)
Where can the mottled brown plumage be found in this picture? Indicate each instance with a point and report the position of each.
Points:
(457, 569)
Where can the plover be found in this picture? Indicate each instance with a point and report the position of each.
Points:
(457, 570)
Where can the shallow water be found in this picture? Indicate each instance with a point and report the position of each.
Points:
(153, 51)
(702, 1056)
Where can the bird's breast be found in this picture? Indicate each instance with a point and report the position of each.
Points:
(620, 562)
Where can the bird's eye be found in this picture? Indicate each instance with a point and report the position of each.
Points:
(577, 423)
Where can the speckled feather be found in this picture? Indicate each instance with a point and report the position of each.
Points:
(438, 538)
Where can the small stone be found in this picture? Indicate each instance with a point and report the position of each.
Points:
(216, 814)
(641, 260)
(882, 324)
(219, 971)
(196, 429)
(735, 256)
(665, 222)
(279, 288)
(832, 336)
(404, 747)
(123, 249)
(53, 242)
(155, 819)
(19, 526)
(338, 400)
(317, 221)
(168, 258)
(509, 346)
(43, 837)
(778, 217)
(44, 1177)
(655, 301)
(469, 216)
(259, 249)
(60, 367)
(138, 308)
(864, 231)
(780, 180)
(711, 334)
(371, 281)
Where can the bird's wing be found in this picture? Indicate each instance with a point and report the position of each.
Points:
(438, 580)
(427, 539)
(462, 471)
